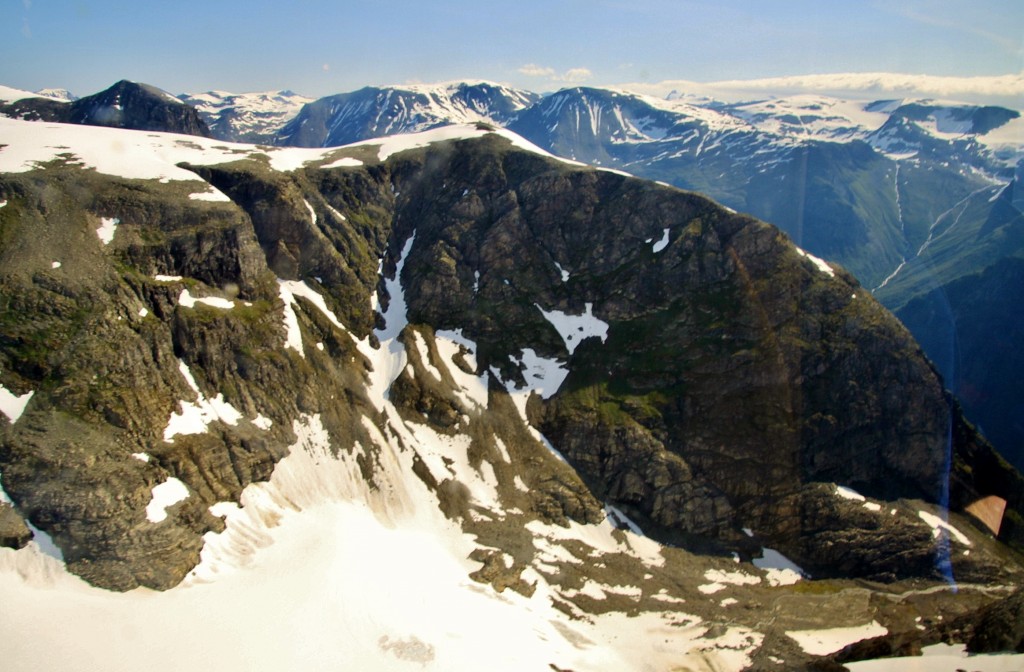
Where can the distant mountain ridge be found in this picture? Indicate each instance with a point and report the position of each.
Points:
(378, 111)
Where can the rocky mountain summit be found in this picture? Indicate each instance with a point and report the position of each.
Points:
(614, 406)
(124, 105)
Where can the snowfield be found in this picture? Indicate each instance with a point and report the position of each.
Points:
(382, 584)
(153, 156)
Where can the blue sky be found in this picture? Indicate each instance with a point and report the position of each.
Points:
(317, 47)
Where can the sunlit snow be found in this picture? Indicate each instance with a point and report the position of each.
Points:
(108, 226)
(390, 357)
(938, 525)
(424, 353)
(9, 95)
(186, 299)
(720, 580)
(13, 405)
(847, 493)
(574, 329)
(133, 154)
(471, 388)
(263, 422)
(211, 194)
(195, 416)
(826, 641)
(821, 264)
(384, 547)
(779, 570)
(620, 519)
(379, 565)
(343, 162)
(288, 290)
(942, 658)
(165, 495)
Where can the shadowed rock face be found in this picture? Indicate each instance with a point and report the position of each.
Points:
(735, 372)
(737, 379)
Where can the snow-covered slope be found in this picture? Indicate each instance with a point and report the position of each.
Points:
(154, 156)
(811, 117)
(246, 117)
(9, 95)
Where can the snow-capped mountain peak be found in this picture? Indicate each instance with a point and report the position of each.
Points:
(246, 117)
(62, 95)
(378, 111)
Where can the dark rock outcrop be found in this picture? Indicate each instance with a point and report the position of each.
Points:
(1000, 627)
(14, 533)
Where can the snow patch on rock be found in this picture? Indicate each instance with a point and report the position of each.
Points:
(108, 226)
(165, 495)
(195, 416)
(574, 329)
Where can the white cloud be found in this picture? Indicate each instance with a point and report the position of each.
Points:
(534, 70)
(572, 75)
(575, 75)
(999, 89)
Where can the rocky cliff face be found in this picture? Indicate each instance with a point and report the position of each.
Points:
(907, 196)
(468, 309)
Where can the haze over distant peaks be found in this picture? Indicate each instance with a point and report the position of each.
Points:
(997, 89)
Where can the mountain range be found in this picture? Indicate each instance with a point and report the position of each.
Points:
(617, 424)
